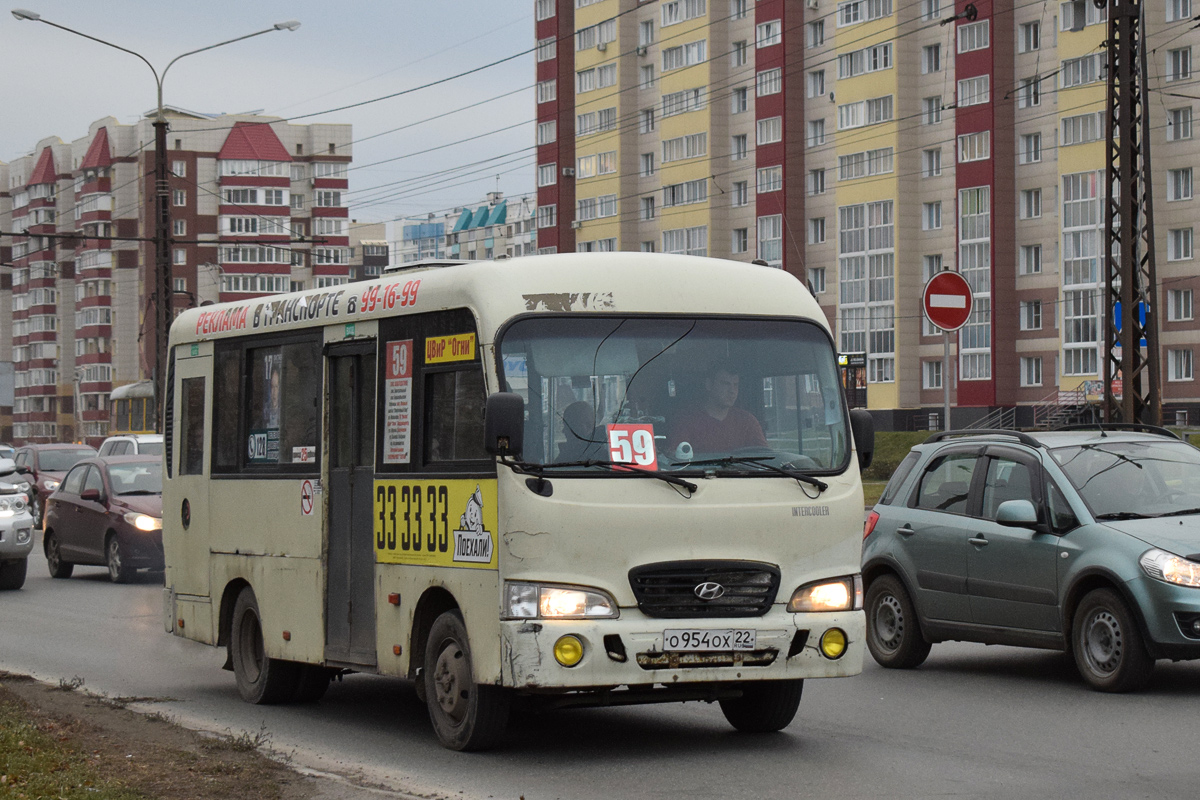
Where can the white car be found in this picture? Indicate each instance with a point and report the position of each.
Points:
(132, 444)
(16, 537)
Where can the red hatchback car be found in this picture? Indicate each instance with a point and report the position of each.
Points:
(107, 512)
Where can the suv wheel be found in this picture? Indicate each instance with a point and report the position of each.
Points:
(1108, 647)
(893, 631)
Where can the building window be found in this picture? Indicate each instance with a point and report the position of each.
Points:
(974, 91)
(770, 130)
(739, 147)
(975, 265)
(547, 216)
(1179, 244)
(1029, 37)
(816, 230)
(1031, 315)
(768, 81)
(1084, 70)
(741, 193)
(1029, 92)
(546, 48)
(816, 83)
(1178, 10)
(1179, 365)
(770, 239)
(931, 110)
(645, 76)
(1031, 370)
(547, 132)
(1031, 203)
(1179, 305)
(647, 165)
(975, 146)
(646, 32)
(816, 279)
(1179, 64)
(547, 174)
(931, 216)
(931, 162)
(741, 54)
(679, 102)
(816, 181)
(179, 197)
(740, 240)
(1179, 184)
(547, 91)
(770, 179)
(684, 55)
(686, 241)
(1081, 129)
(816, 33)
(931, 266)
(646, 121)
(179, 227)
(179, 284)
(768, 33)
(179, 256)
(931, 59)
(931, 374)
(1179, 124)
(179, 169)
(1031, 148)
(973, 36)
(1031, 259)
(816, 132)
(739, 100)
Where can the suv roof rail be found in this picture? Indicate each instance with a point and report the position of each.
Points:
(1140, 427)
(1023, 438)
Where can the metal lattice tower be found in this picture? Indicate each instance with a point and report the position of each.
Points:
(1128, 238)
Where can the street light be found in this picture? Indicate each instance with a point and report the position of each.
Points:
(164, 290)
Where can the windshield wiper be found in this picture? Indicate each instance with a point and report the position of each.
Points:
(1181, 513)
(625, 469)
(760, 461)
(1123, 515)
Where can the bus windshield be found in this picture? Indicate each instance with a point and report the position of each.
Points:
(677, 394)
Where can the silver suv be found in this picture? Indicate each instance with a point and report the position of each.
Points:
(16, 537)
(132, 444)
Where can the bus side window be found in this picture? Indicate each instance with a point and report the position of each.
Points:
(227, 442)
(191, 428)
(454, 415)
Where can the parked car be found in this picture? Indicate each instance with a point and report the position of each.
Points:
(107, 512)
(132, 444)
(7, 451)
(16, 537)
(45, 465)
(1085, 540)
(11, 476)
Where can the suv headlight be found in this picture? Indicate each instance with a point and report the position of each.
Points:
(542, 601)
(1164, 566)
(143, 522)
(11, 505)
(843, 594)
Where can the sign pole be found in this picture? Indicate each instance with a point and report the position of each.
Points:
(946, 380)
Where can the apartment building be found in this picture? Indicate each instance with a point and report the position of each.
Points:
(256, 208)
(864, 145)
(495, 227)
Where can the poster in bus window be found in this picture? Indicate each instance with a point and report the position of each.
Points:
(263, 443)
(397, 388)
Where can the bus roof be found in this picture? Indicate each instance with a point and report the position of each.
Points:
(621, 283)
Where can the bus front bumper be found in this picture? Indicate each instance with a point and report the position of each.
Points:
(630, 651)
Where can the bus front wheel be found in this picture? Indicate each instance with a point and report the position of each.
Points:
(764, 707)
(465, 715)
(260, 679)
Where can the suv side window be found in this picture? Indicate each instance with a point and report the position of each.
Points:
(1007, 479)
(946, 484)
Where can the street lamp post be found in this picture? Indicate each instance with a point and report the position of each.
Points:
(163, 288)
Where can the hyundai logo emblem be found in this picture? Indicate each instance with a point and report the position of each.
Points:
(709, 590)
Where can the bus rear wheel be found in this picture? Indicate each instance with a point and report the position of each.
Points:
(260, 679)
(465, 715)
(764, 707)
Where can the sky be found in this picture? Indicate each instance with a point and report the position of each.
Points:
(57, 83)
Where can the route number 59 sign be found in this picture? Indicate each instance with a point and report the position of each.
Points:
(632, 445)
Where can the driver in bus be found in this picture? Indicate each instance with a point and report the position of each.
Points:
(579, 440)
(717, 425)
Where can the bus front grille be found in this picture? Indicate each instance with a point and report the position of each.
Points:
(682, 589)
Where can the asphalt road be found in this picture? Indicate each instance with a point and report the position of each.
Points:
(974, 721)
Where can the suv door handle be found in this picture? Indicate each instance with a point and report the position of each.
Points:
(978, 541)
(905, 530)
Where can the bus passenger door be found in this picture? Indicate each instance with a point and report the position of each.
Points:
(185, 492)
(350, 569)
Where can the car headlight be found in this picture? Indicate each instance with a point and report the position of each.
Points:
(143, 522)
(538, 601)
(1164, 566)
(51, 485)
(843, 594)
(11, 505)
(23, 486)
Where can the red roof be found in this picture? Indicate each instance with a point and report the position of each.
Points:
(98, 154)
(253, 141)
(44, 171)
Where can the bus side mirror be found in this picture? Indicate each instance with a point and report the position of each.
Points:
(862, 425)
(504, 424)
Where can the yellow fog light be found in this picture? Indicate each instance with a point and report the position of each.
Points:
(833, 643)
(568, 650)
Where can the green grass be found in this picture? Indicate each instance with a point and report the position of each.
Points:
(39, 762)
(871, 492)
(890, 448)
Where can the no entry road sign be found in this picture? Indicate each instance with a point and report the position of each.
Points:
(947, 300)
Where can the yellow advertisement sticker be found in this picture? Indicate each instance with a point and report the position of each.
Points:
(459, 347)
(436, 523)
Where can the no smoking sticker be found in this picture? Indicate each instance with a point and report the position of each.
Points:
(306, 498)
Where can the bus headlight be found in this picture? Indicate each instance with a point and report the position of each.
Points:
(540, 601)
(143, 522)
(843, 594)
